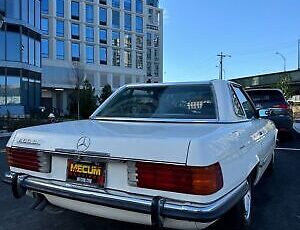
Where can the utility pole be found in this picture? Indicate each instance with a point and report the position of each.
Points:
(221, 55)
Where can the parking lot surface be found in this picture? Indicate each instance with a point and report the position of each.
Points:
(277, 200)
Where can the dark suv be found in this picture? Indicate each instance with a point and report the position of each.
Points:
(280, 112)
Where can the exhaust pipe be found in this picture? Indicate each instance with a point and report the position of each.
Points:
(16, 185)
(41, 204)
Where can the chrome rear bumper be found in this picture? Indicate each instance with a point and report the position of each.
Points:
(157, 207)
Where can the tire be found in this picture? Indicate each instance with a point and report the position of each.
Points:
(240, 216)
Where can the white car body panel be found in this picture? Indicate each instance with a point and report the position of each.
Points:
(239, 145)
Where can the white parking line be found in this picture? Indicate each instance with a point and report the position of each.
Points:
(287, 149)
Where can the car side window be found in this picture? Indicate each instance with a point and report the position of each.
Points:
(236, 105)
(246, 104)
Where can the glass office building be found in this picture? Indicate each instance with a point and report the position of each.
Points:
(20, 56)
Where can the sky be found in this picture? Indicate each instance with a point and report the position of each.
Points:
(251, 31)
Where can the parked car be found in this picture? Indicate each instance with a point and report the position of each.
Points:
(280, 111)
(175, 155)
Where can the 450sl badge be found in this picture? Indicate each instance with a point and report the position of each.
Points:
(28, 141)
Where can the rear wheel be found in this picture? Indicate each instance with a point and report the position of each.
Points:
(240, 216)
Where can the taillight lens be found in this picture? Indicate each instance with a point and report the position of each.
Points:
(29, 159)
(281, 106)
(176, 178)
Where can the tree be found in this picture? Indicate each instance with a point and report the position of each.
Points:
(106, 92)
(88, 100)
(284, 84)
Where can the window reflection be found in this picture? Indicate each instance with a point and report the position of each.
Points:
(103, 55)
(102, 16)
(75, 52)
(13, 90)
(116, 19)
(60, 46)
(89, 54)
(60, 8)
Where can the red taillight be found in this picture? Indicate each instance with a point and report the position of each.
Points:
(182, 179)
(281, 106)
(28, 159)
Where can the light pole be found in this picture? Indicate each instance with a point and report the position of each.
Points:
(284, 60)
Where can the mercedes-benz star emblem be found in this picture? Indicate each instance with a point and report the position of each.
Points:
(83, 144)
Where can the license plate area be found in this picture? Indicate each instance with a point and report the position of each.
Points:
(86, 173)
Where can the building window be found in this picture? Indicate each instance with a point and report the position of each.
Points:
(60, 8)
(139, 43)
(127, 5)
(103, 36)
(75, 52)
(116, 81)
(60, 50)
(37, 53)
(116, 57)
(60, 28)
(31, 51)
(89, 54)
(102, 2)
(75, 31)
(156, 69)
(13, 9)
(37, 11)
(2, 87)
(152, 3)
(31, 12)
(45, 6)
(139, 24)
(150, 16)
(24, 10)
(103, 16)
(89, 34)
(139, 60)
(45, 48)
(116, 38)
(149, 69)
(13, 86)
(25, 48)
(13, 44)
(128, 41)
(89, 12)
(128, 59)
(149, 54)
(75, 10)
(156, 40)
(127, 80)
(2, 45)
(116, 3)
(149, 39)
(139, 6)
(116, 19)
(103, 55)
(156, 55)
(128, 21)
(45, 26)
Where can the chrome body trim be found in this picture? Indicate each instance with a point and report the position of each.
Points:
(174, 209)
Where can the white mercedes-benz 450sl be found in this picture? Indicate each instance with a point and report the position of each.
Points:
(173, 155)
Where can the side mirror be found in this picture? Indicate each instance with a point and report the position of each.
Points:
(263, 113)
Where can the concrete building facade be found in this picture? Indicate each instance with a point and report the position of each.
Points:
(20, 57)
(102, 41)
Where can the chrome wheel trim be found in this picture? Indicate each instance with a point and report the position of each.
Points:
(247, 205)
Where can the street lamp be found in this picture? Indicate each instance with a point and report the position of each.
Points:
(284, 60)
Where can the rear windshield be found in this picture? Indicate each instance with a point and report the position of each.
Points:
(266, 97)
(181, 101)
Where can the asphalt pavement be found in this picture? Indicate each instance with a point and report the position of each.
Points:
(277, 200)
